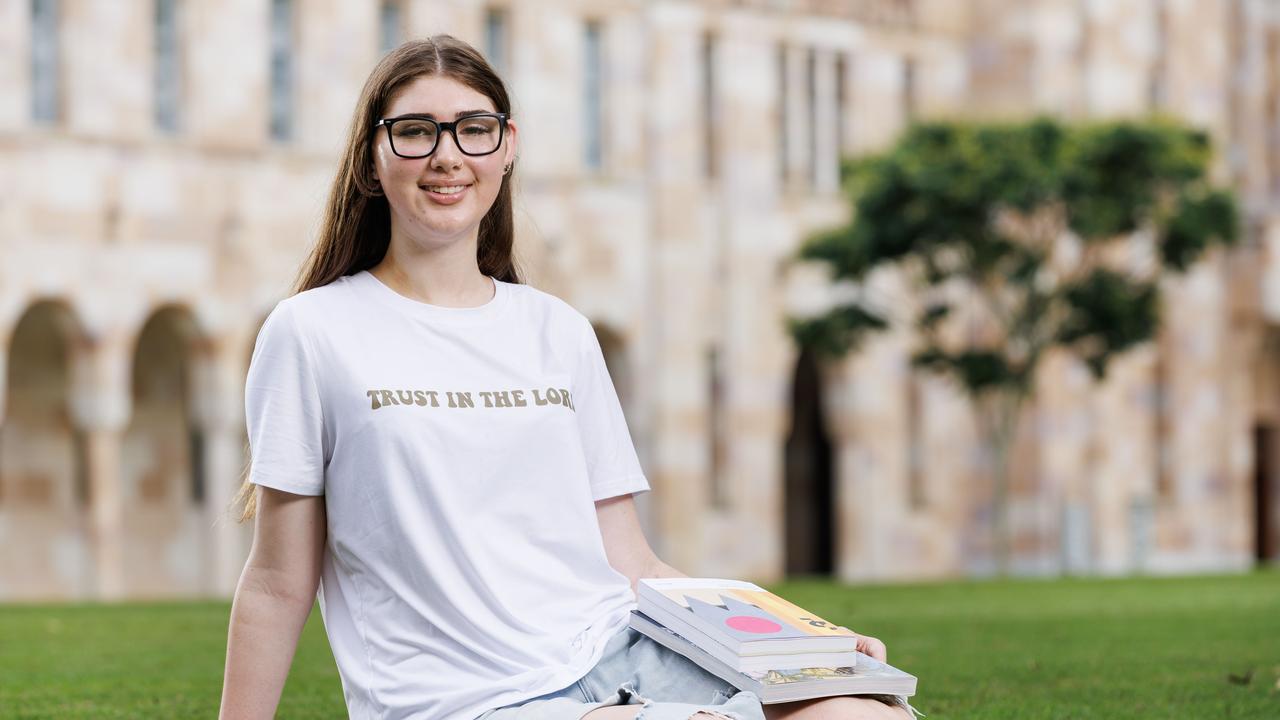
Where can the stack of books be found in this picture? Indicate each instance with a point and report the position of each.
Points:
(757, 641)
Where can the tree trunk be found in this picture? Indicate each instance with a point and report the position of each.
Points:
(997, 414)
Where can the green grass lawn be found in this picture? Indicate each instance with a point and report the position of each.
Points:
(1203, 647)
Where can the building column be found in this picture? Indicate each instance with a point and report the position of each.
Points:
(217, 411)
(100, 407)
(856, 528)
(683, 300)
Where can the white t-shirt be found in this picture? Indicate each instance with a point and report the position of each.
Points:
(460, 452)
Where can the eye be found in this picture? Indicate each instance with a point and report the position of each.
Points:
(414, 129)
(478, 126)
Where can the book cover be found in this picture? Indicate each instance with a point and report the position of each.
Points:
(742, 616)
(866, 677)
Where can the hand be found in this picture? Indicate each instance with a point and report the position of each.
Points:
(871, 646)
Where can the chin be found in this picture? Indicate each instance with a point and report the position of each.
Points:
(437, 236)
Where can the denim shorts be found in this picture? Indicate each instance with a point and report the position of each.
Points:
(635, 670)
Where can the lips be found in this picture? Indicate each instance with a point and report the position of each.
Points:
(445, 194)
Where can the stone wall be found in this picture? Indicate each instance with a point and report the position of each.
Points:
(111, 229)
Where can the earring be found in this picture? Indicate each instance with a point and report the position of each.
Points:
(506, 169)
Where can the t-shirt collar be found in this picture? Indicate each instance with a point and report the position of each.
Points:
(480, 314)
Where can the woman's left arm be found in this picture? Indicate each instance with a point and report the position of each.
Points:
(625, 544)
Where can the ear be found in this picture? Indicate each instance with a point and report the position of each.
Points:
(373, 167)
(371, 152)
(509, 139)
(373, 177)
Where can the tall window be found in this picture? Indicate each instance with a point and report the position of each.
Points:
(390, 25)
(811, 104)
(909, 90)
(198, 461)
(710, 113)
(168, 64)
(592, 100)
(842, 77)
(716, 435)
(80, 455)
(496, 39)
(784, 126)
(1158, 83)
(1084, 56)
(281, 100)
(1162, 413)
(1271, 113)
(915, 442)
(45, 51)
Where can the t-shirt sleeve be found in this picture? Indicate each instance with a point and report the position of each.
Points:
(283, 410)
(612, 464)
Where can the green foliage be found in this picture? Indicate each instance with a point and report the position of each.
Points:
(830, 334)
(1198, 219)
(1017, 238)
(1021, 225)
(979, 370)
(1110, 313)
(1114, 173)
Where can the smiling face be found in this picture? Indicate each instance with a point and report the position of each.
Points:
(427, 207)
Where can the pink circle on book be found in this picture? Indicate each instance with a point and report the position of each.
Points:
(747, 623)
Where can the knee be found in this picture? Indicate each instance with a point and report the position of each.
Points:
(861, 708)
(856, 708)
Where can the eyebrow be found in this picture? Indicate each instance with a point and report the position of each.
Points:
(457, 115)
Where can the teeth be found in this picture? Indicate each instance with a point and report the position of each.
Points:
(450, 190)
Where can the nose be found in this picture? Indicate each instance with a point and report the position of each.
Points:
(446, 153)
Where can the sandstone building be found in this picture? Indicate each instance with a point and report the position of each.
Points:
(163, 165)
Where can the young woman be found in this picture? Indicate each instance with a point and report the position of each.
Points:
(438, 449)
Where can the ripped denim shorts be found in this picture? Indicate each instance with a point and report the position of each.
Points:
(635, 670)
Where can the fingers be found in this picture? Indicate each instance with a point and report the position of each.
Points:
(873, 647)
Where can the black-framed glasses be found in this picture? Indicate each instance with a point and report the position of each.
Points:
(417, 136)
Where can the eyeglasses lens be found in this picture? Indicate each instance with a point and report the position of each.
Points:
(417, 138)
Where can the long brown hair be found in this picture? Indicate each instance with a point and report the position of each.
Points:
(356, 228)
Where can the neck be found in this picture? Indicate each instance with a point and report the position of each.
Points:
(447, 276)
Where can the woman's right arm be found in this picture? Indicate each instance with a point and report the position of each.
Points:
(272, 601)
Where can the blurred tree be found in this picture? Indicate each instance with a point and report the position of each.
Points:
(1018, 238)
